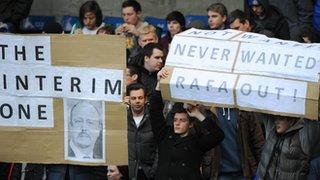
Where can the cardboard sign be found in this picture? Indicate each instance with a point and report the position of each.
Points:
(35, 119)
(210, 54)
(247, 92)
(293, 63)
(260, 74)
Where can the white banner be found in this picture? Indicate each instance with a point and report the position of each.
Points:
(26, 112)
(25, 49)
(277, 95)
(259, 38)
(71, 82)
(203, 86)
(278, 62)
(206, 54)
(212, 34)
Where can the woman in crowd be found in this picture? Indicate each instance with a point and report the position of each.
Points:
(90, 16)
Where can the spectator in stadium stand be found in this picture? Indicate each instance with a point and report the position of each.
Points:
(217, 16)
(147, 35)
(175, 24)
(238, 155)
(142, 146)
(131, 14)
(239, 21)
(298, 14)
(90, 16)
(308, 34)
(181, 146)
(290, 144)
(12, 12)
(269, 18)
(148, 64)
(117, 172)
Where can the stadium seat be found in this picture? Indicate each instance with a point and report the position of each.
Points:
(67, 22)
(34, 24)
(190, 18)
(114, 21)
(161, 23)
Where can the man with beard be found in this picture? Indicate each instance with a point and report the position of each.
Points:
(141, 143)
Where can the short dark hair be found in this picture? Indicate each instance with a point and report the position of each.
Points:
(91, 6)
(135, 87)
(218, 8)
(134, 70)
(178, 108)
(147, 50)
(238, 14)
(177, 16)
(132, 3)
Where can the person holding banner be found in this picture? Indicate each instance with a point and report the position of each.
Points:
(181, 148)
(291, 143)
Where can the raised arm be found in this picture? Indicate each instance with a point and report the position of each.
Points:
(156, 110)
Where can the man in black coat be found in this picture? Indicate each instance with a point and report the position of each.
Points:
(180, 148)
(141, 142)
(269, 18)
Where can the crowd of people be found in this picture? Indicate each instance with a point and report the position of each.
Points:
(171, 141)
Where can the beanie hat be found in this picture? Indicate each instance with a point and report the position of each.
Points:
(253, 2)
(177, 16)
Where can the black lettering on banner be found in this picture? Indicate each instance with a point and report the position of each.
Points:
(223, 87)
(56, 83)
(4, 81)
(311, 66)
(24, 83)
(246, 56)
(40, 81)
(208, 84)
(194, 84)
(41, 112)
(179, 81)
(116, 87)
(178, 48)
(38, 53)
(3, 52)
(249, 89)
(93, 90)
(2, 110)
(265, 91)
(22, 52)
(75, 82)
(21, 110)
(279, 92)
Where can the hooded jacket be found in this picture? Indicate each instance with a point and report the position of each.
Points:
(272, 20)
(287, 155)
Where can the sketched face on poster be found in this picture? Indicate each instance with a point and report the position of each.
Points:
(84, 130)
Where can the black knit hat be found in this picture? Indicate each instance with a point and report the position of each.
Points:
(178, 16)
